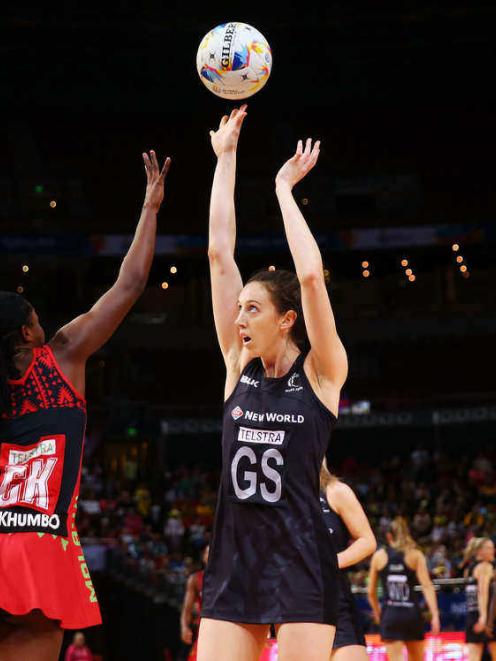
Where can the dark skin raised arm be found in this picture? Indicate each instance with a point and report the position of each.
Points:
(74, 343)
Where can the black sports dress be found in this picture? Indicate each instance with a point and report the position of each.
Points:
(401, 618)
(272, 559)
(349, 630)
(472, 601)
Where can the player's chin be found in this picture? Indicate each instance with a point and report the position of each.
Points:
(251, 348)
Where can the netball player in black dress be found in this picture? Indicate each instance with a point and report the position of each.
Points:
(478, 591)
(400, 565)
(271, 558)
(354, 541)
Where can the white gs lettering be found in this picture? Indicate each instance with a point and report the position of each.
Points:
(274, 481)
(272, 474)
(249, 476)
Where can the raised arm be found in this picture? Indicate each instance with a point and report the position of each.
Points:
(347, 505)
(78, 339)
(428, 590)
(225, 278)
(328, 357)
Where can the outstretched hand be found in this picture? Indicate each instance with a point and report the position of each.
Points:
(300, 164)
(225, 139)
(155, 178)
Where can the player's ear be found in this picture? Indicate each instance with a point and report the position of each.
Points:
(27, 333)
(288, 319)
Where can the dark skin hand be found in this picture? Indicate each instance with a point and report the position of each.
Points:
(75, 342)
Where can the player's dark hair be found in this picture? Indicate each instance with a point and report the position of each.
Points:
(285, 292)
(15, 312)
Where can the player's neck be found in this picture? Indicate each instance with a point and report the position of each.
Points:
(279, 363)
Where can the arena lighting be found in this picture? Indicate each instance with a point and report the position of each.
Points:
(53, 204)
(273, 268)
(408, 272)
(173, 269)
(365, 265)
(459, 259)
(165, 285)
(404, 262)
(366, 273)
(466, 274)
(25, 268)
(455, 247)
(20, 289)
(412, 278)
(463, 268)
(305, 201)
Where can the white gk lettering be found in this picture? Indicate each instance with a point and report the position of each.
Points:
(27, 483)
(266, 436)
(274, 417)
(270, 488)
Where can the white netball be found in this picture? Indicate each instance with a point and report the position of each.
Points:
(234, 61)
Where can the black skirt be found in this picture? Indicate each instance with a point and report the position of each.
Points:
(405, 624)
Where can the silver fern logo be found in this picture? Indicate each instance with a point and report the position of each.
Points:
(294, 383)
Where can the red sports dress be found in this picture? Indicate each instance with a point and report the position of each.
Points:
(42, 564)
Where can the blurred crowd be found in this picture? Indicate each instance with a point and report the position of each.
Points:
(446, 497)
(151, 532)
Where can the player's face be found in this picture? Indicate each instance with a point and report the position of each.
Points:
(36, 332)
(258, 321)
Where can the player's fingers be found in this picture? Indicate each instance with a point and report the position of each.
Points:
(240, 117)
(223, 121)
(165, 168)
(299, 148)
(308, 147)
(148, 165)
(314, 157)
(155, 165)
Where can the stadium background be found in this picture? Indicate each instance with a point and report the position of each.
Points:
(401, 97)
